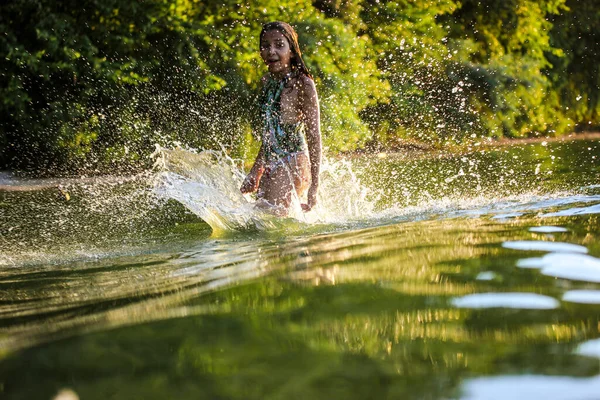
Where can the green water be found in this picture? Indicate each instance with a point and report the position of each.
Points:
(136, 299)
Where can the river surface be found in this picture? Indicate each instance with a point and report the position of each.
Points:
(445, 277)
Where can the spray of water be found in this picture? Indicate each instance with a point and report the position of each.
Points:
(207, 183)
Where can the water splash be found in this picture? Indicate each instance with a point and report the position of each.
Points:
(207, 183)
(343, 195)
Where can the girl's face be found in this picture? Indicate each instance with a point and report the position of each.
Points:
(276, 52)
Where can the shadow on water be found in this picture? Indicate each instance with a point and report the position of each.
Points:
(371, 309)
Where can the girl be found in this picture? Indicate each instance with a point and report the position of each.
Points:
(290, 155)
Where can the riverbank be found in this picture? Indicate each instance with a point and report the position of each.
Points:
(410, 149)
(10, 182)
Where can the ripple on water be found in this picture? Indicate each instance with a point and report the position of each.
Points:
(538, 245)
(548, 229)
(582, 296)
(506, 300)
(529, 387)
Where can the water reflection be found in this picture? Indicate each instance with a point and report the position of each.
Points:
(83, 297)
(591, 348)
(506, 300)
(579, 267)
(548, 229)
(537, 245)
(582, 296)
(595, 209)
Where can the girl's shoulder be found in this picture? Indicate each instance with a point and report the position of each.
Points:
(305, 85)
(303, 82)
(303, 79)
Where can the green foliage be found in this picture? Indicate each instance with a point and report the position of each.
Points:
(92, 85)
(501, 50)
(71, 72)
(410, 49)
(575, 72)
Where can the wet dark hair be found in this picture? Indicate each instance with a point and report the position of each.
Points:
(297, 63)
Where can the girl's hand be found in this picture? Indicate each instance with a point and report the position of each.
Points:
(250, 184)
(252, 180)
(311, 200)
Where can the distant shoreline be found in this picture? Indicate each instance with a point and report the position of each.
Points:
(11, 183)
(412, 150)
(566, 138)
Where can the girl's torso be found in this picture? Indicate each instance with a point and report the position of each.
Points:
(282, 113)
(291, 109)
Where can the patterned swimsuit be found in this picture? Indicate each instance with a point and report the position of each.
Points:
(280, 141)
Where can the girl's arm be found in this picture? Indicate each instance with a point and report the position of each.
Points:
(252, 180)
(311, 116)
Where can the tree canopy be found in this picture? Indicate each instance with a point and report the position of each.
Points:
(92, 85)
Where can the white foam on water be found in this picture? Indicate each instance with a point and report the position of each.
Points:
(530, 387)
(548, 229)
(486, 276)
(506, 300)
(595, 209)
(582, 296)
(591, 348)
(208, 188)
(537, 245)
